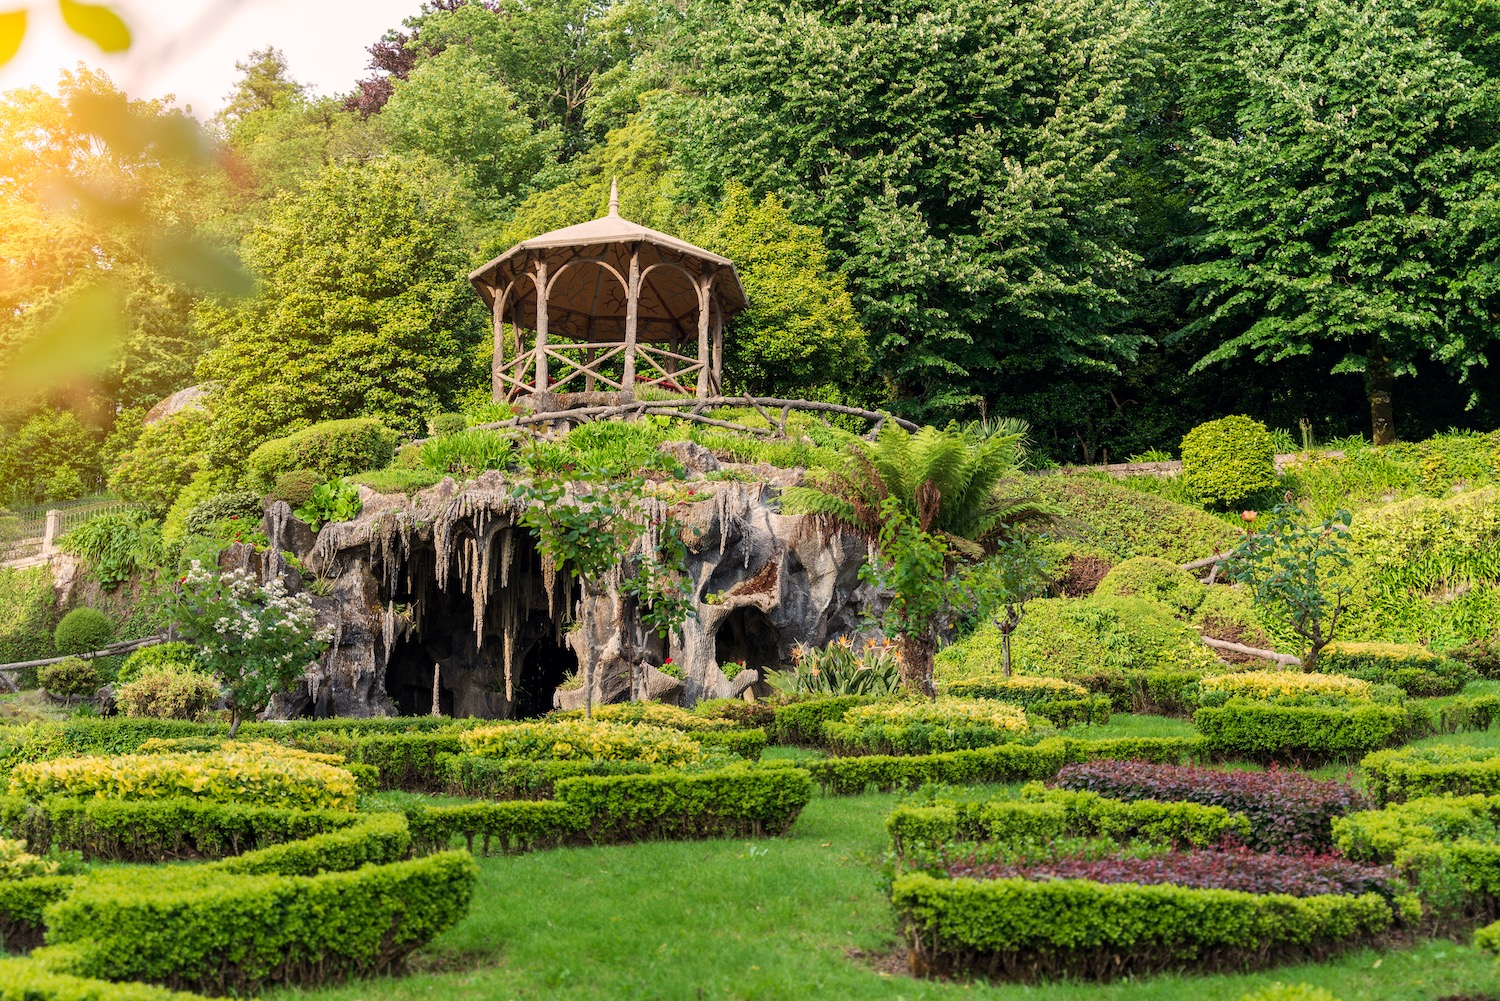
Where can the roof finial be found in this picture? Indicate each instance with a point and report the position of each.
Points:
(614, 196)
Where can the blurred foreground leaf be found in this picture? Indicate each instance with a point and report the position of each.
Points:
(202, 267)
(79, 340)
(12, 31)
(98, 23)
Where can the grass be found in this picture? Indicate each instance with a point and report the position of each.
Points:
(779, 918)
(1129, 725)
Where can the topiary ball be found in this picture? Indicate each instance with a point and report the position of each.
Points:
(70, 677)
(295, 487)
(1228, 461)
(82, 630)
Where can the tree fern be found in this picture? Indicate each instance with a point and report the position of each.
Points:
(949, 480)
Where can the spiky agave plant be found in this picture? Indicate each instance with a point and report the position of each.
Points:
(948, 479)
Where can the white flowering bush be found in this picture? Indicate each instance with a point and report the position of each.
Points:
(257, 639)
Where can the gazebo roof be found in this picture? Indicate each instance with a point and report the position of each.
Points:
(589, 303)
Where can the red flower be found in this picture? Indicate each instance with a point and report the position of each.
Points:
(666, 662)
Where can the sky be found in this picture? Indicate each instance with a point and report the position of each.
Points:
(188, 48)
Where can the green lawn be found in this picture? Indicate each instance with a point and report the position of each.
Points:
(775, 919)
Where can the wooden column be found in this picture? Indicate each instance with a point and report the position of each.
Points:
(718, 359)
(705, 307)
(632, 317)
(541, 325)
(497, 389)
(588, 375)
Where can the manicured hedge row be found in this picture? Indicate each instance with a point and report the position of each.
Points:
(206, 930)
(27, 980)
(1451, 838)
(740, 800)
(160, 830)
(406, 761)
(1019, 929)
(801, 723)
(519, 778)
(1158, 693)
(1414, 669)
(374, 839)
(21, 904)
(1043, 815)
(245, 774)
(1305, 734)
(1396, 775)
(1287, 810)
(926, 727)
(747, 744)
(1003, 763)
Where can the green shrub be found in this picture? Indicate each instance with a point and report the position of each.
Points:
(801, 723)
(70, 677)
(295, 487)
(465, 454)
(168, 694)
(1399, 774)
(518, 778)
(220, 933)
(1154, 580)
(161, 657)
(757, 715)
(1448, 844)
(335, 500)
(1228, 461)
(372, 839)
(983, 765)
(1290, 688)
(1060, 702)
(330, 449)
(1488, 938)
(83, 630)
(1107, 517)
(27, 980)
(1482, 655)
(164, 459)
(236, 505)
(1413, 669)
(1259, 731)
(1063, 637)
(254, 773)
(114, 547)
(441, 424)
(392, 480)
(205, 485)
(1071, 927)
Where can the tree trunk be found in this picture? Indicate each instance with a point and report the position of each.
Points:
(234, 723)
(915, 655)
(1005, 651)
(1379, 382)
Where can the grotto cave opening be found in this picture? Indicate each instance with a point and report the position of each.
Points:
(747, 636)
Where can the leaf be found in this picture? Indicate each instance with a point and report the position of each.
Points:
(80, 340)
(98, 23)
(12, 31)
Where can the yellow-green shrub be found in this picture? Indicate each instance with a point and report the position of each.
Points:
(261, 776)
(942, 712)
(17, 863)
(944, 724)
(1155, 580)
(655, 714)
(1228, 460)
(168, 694)
(572, 740)
(1023, 690)
(1271, 686)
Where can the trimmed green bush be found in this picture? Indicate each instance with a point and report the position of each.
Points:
(1061, 703)
(206, 930)
(1078, 928)
(83, 630)
(1154, 580)
(1065, 637)
(1002, 763)
(241, 505)
(1413, 669)
(1156, 693)
(1042, 815)
(925, 727)
(162, 657)
(161, 830)
(70, 677)
(295, 487)
(801, 723)
(518, 778)
(330, 449)
(22, 902)
(1399, 774)
(1229, 460)
(27, 980)
(1305, 734)
(168, 694)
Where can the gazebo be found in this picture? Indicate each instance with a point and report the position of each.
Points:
(611, 301)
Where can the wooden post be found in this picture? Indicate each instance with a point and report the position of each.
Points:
(497, 389)
(588, 373)
(717, 379)
(541, 325)
(705, 306)
(632, 317)
(50, 534)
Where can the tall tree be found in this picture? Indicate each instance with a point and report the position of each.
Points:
(265, 82)
(363, 309)
(959, 155)
(1347, 169)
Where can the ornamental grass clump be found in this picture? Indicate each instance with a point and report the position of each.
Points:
(1287, 810)
(584, 740)
(259, 774)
